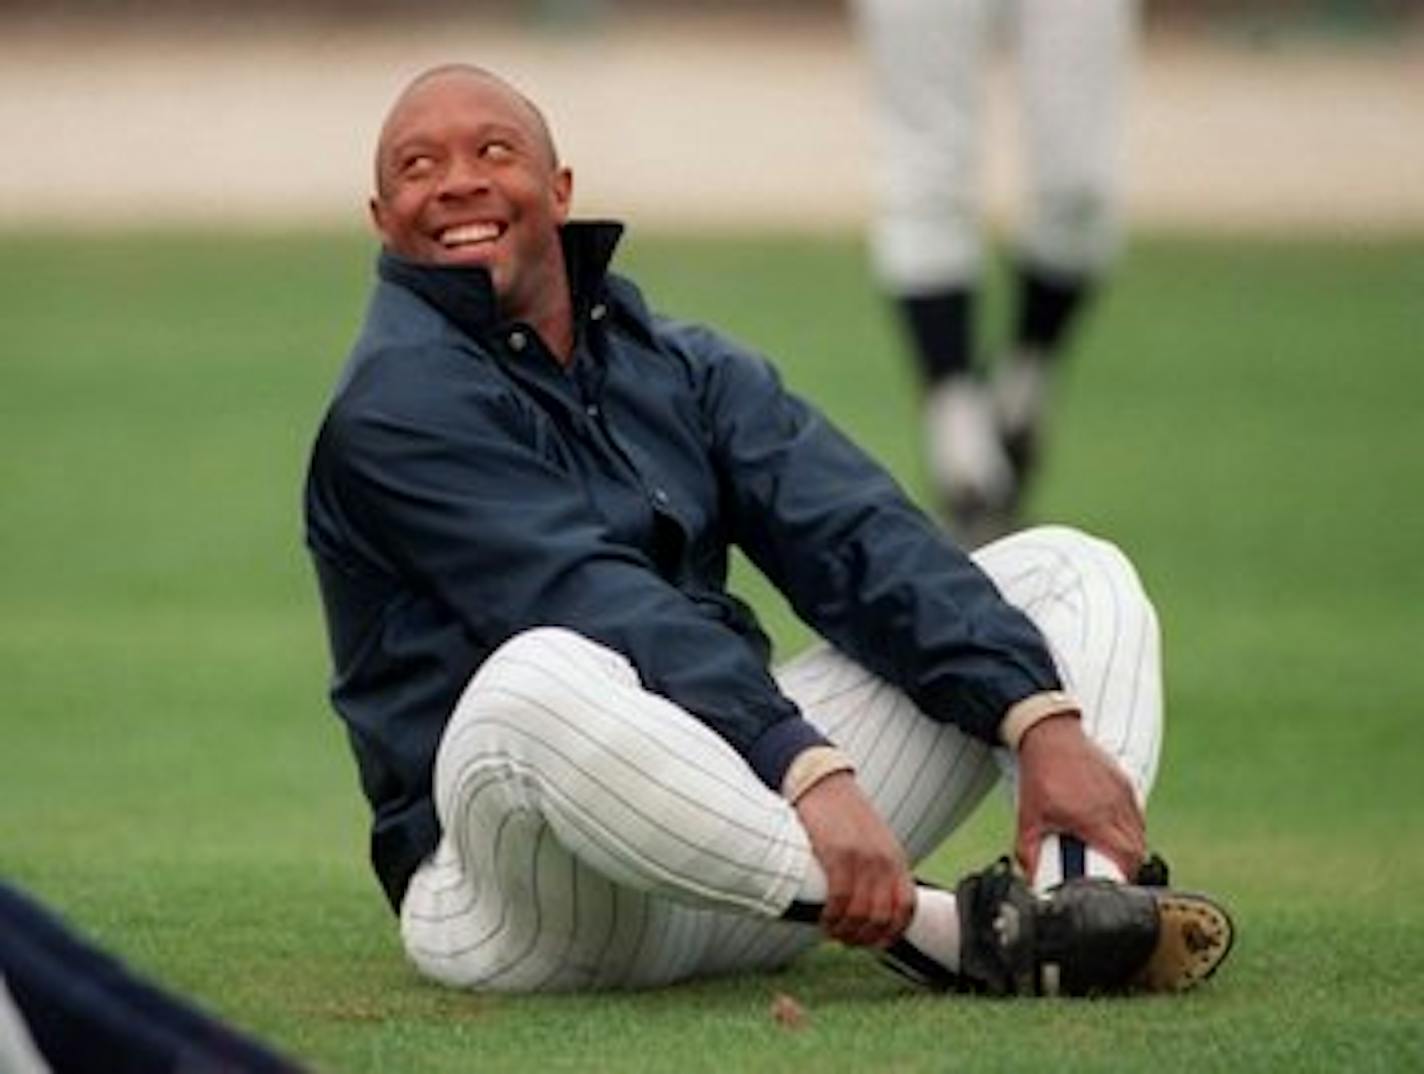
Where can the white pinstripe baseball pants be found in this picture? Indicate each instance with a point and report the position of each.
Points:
(598, 836)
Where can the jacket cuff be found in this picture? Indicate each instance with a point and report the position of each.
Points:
(771, 755)
(1033, 709)
(810, 767)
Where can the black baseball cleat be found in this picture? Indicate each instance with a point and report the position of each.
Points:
(1085, 937)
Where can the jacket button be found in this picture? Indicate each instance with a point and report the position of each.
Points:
(660, 497)
(518, 340)
(591, 410)
(598, 312)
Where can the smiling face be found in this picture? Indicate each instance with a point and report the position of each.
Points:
(466, 174)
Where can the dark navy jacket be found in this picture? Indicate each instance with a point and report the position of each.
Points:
(465, 487)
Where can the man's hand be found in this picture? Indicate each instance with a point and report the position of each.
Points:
(870, 893)
(1067, 784)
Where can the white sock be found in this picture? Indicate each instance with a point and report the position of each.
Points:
(814, 888)
(1063, 858)
(934, 928)
(1020, 389)
(963, 450)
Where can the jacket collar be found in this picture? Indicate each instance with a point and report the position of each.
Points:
(465, 296)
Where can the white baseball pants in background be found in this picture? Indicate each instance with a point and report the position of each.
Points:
(597, 836)
(928, 75)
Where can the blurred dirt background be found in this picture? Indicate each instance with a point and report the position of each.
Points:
(1278, 117)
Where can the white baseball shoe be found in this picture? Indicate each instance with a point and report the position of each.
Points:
(970, 469)
(1020, 394)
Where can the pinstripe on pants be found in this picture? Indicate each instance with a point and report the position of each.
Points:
(598, 836)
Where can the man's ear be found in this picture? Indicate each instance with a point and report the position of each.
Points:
(563, 189)
(377, 210)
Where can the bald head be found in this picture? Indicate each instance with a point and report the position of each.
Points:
(466, 175)
(419, 87)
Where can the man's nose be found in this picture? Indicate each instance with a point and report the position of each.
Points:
(465, 175)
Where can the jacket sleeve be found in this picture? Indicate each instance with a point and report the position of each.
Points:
(443, 474)
(857, 560)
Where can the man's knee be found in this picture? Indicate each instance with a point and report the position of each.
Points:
(524, 704)
(1075, 229)
(541, 667)
(543, 686)
(1063, 539)
(1071, 551)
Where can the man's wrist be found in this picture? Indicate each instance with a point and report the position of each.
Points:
(1033, 710)
(810, 767)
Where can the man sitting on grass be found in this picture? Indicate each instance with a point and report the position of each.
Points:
(583, 771)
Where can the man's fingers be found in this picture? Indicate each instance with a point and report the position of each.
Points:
(837, 900)
(1129, 850)
(901, 910)
(1121, 836)
(1030, 841)
(885, 898)
(874, 912)
(867, 911)
(842, 914)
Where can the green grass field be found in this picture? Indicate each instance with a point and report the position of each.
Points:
(1244, 418)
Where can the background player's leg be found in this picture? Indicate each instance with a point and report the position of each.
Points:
(1074, 65)
(1074, 58)
(592, 830)
(926, 73)
(925, 63)
(1086, 598)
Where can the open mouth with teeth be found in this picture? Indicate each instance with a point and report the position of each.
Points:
(464, 236)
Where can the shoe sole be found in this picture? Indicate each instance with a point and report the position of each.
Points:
(1195, 936)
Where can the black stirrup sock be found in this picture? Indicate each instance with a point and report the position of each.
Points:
(803, 913)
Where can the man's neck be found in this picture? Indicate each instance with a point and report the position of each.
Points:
(551, 312)
(556, 326)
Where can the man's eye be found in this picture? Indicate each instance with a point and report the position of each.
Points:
(417, 163)
(497, 150)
